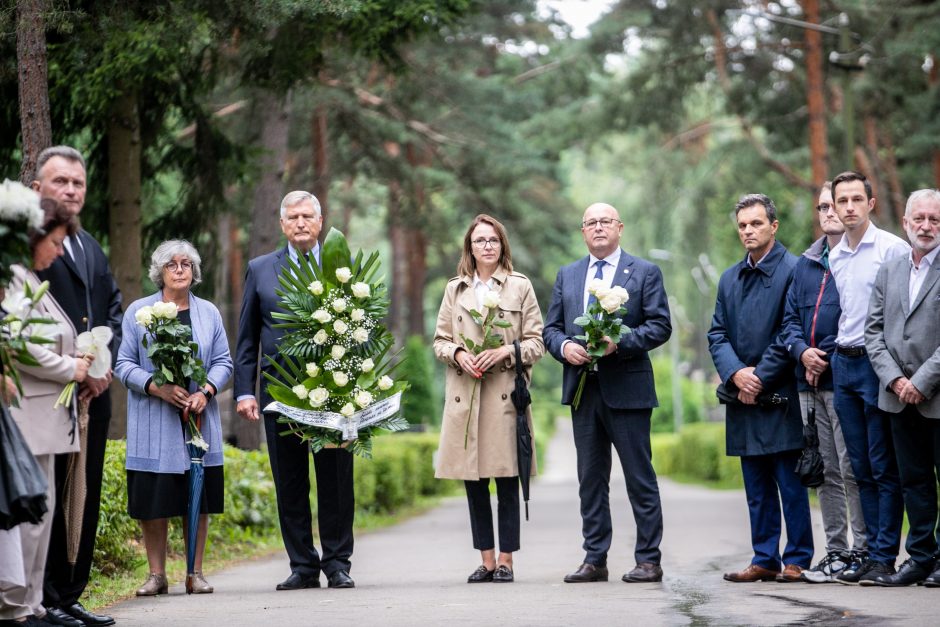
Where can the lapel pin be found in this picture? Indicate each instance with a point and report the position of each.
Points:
(626, 271)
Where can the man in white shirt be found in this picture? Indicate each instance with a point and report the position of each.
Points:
(866, 428)
(904, 348)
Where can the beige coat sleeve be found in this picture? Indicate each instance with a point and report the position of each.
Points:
(445, 343)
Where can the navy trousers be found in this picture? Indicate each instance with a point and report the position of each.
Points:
(867, 433)
(596, 428)
(768, 480)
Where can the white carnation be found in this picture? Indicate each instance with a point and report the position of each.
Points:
(144, 316)
(361, 335)
(320, 338)
(340, 378)
(315, 288)
(361, 290)
(340, 327)
(312, 369)
(348, 409)
(318, 396)
(339, 305)
(337, 351)
(357, 315)
(299, 391)
(343, 274)
(385, 382)
(363, 398)
(367, 365)
(322, 316)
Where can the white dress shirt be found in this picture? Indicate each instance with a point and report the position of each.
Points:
(918, 274)
(854, 272)
(480, 288)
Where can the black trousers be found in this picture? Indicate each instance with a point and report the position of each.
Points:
(64, 585)
(507, 513)
(596, 428)
(336, 502)
(917, 447)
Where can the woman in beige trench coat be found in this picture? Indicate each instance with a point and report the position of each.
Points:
(480, 443)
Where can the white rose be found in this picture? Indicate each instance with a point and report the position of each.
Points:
(340, 327)
(167, 310)
(337, 351)
(594, 285)
(621, 293)
(385, 382)
(363, 399)
(316, 288)
(361, 290)
(348, 409)
(610, 303)
(367, 365)
(357, 315)
(602, 292)
(312, 369)
(340, 378)
(144, 316)
(339, 305)
(343, 274)
(361, 335)
(299, 391)
(318, 396)
(321, 337)
(322, 316)
(491, 300)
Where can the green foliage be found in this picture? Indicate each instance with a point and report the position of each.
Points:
(698, 398)
(697, 454)
(422, 404)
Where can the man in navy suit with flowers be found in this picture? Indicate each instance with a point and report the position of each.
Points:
(619, 394)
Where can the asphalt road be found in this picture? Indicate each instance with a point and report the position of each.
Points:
(415, 573)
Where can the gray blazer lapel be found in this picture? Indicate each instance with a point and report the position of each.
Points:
(929, 281)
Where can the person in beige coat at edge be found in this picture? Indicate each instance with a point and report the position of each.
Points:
(47, 430)
(490, 450)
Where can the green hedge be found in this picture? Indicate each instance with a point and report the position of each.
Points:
(399, 476)
(697, 454)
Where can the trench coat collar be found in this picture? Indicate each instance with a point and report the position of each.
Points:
(768, 265)
(468, 299)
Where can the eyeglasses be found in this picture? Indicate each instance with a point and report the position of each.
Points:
(824, 207)
(604, 222)
(173, 266)
(484, 243)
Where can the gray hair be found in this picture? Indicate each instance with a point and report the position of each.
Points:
(164, 254)
(750, 200)
(66, 152)
(295, 198)
(921, 194)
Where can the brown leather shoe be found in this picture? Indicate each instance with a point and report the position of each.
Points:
(587, 573)
(752, 573)
(196, 584)
(646, 572)
(791, 573)
(155, 584)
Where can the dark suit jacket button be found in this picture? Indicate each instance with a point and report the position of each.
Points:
(457, 399)
(504, 397)
(85, 320)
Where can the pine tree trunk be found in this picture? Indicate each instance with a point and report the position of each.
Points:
(398, 242)
(273, 114)
(33, 83)
(815, 102)
(124, 191)
(321, 162)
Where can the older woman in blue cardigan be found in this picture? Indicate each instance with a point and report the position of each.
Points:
(157, 459)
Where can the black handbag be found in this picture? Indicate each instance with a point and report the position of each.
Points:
(810, 467)
(22, 482)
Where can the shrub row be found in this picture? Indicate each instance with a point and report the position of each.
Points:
(399, 475)
(697, 453)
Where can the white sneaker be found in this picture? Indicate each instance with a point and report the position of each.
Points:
(828, 568)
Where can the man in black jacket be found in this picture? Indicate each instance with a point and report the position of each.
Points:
(81, 282)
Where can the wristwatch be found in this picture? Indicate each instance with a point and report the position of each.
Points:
(207, 394)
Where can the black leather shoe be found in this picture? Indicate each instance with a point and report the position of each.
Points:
(933, 581)
(878, 569)
(503, 574)
(587, 573)
(58, 616)
(77, 610)
(908, 574)
(296, 581)
(647, 572)
(481, 575)
(341, 579)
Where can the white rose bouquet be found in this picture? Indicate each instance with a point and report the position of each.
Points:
(603, 320)
(334, 361)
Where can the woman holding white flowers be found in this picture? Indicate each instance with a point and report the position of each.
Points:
(47, 430)
(157, 458)
(478, 431)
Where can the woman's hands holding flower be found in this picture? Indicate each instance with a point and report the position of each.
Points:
(492, 356)
(197, 402)
(467, 363)
(171, 393)
(82, 364)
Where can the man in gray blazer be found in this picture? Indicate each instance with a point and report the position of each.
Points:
(902, 336)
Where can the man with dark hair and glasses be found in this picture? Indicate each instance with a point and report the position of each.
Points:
(744, 341)
(619, 394)
(810, 324)
(855, 262)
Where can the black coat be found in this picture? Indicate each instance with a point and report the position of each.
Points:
(745, 332)
(98, 304)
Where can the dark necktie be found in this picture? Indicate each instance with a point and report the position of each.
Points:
(598, 274)
(78, 256)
